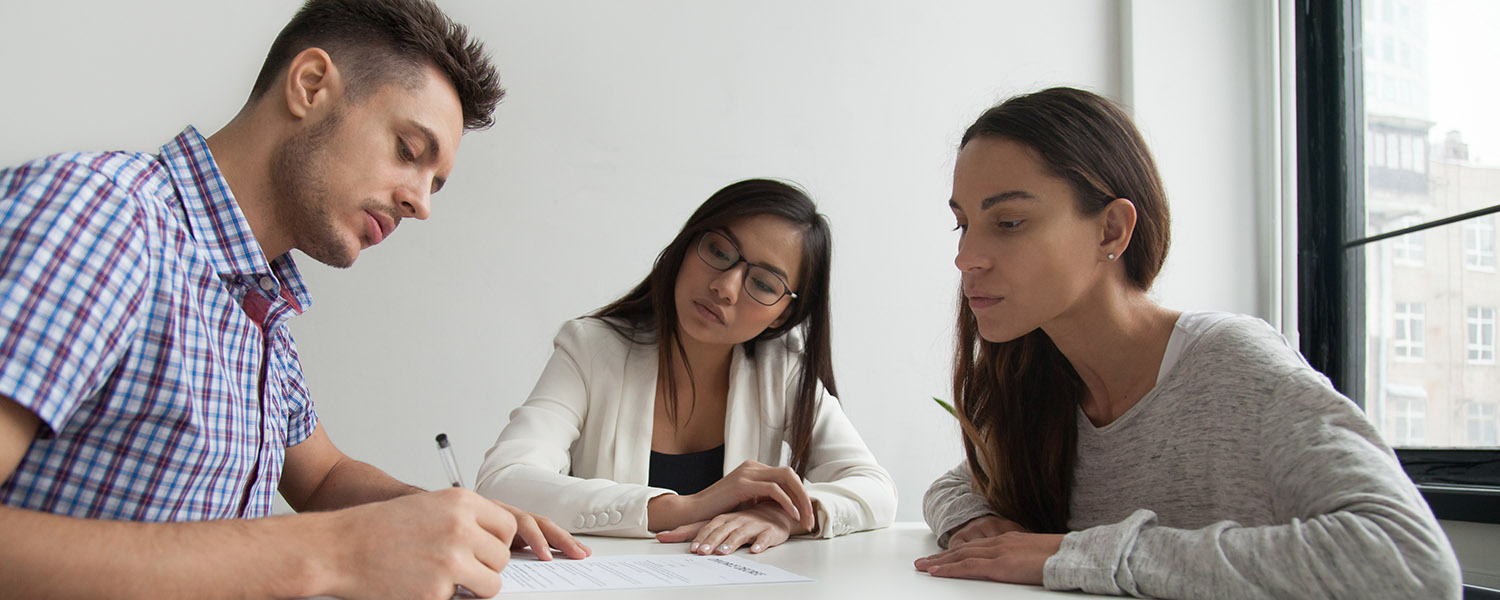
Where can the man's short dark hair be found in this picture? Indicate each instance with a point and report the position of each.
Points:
(375, 42)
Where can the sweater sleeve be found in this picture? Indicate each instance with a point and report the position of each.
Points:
(1351, 525)
(530, 464)
(951, 501)
(851, 491)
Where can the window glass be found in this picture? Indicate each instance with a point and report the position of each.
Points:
(1481, 335)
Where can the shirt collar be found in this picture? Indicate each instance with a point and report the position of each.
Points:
(215, 221)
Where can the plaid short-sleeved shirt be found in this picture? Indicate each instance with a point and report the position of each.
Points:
(122, 281)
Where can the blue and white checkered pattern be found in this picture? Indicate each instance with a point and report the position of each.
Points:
(121, 282)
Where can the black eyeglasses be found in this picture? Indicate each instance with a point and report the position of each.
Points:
(761, 283)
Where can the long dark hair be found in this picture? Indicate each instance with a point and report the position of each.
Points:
(648, 313)
(1018, 400)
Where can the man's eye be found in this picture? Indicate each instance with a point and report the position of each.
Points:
(404, 151)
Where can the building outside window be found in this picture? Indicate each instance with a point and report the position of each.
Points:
(1481, 335)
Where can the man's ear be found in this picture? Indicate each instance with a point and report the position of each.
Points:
(1119, 225)
(312, 84)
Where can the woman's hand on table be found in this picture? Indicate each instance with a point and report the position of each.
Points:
(750, 484)
(1013, 557)
(982, 527)
(760, 526)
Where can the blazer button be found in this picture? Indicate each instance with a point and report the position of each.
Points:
(578, 522)
(592, 520)
(615, 516)
(603, 518)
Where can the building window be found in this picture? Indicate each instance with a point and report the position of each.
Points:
(1479, 243)
(1419, 150)
(1408, 419)
(1409, 250)
(1484, 424)
(1411, 320)
(1481, 334)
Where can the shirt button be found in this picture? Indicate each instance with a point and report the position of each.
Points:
(267, 284)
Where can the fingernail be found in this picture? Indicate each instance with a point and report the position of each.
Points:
(724, 548)
(693, 548)
(756, 548)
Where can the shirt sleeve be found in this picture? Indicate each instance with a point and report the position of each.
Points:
(1354, 525)
(72, 280)
(951, 501)
(852, 492)
(530, 464)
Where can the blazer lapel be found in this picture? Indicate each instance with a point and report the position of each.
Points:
(742, 415)
(632, 460)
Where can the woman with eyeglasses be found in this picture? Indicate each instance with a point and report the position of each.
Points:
(673, 409)
(1116, 446)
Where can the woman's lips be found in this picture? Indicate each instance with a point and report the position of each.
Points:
(982, 302)
(708, 313)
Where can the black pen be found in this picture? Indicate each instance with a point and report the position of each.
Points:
(450, 462)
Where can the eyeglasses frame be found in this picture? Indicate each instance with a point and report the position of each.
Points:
(744, 280)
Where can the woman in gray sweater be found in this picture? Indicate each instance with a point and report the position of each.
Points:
(1116, 446)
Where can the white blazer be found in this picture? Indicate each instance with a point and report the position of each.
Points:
(578, 451)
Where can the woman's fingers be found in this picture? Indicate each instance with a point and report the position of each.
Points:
(739, 534)
(791, 483)
(765, 540)
(970, 568)
(681, 534)
(774, 492)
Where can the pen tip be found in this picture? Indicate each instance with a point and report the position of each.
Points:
(442, 439)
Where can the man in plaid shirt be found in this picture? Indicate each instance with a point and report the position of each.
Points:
(151, 402)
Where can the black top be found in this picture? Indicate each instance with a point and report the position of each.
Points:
(686, 473)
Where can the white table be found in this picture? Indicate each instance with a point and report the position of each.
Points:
(872, 564)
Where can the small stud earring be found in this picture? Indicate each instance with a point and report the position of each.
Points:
(1111, 256)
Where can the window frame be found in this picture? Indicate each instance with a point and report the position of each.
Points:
(1461, 484)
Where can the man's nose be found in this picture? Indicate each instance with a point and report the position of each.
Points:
(415, 202)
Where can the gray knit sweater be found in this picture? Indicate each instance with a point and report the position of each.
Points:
(1242, 474)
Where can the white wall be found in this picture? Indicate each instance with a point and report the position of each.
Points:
(1199, 75)
(621, 118)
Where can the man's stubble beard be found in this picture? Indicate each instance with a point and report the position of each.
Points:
(302, 203)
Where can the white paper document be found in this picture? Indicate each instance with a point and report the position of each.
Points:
(637, 571)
